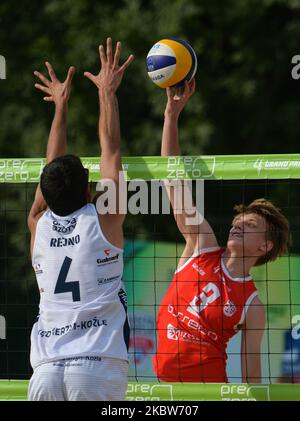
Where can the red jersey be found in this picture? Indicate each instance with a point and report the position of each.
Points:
(200, 312)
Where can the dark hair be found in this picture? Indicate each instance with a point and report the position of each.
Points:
(277, 227)
(64, 183)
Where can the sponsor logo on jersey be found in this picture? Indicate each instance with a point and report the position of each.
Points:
(37, 269)
(216, 269)
(102, 281)
(192, 324)
(123, 297)
(172, 333)
(229, 309)
(107, 252)
(198, 269)
(64, 242)
(64, 226)
(175, 334)
(108, 260)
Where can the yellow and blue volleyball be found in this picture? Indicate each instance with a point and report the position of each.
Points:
(171, 62)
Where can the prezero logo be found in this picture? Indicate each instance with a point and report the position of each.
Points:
(147, 392)
(245, 393)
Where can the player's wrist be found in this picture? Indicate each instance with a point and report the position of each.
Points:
(61, 105)
(106, 92)
(171, 115)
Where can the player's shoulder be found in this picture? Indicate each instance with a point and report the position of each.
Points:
(33, 220)
(209, 253)
(256, 302)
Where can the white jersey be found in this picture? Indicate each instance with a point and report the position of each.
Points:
(82, 300)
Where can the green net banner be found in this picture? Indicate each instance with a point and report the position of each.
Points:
(229, 167)
(17, 390)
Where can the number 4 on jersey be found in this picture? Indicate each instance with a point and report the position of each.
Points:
(62, 285)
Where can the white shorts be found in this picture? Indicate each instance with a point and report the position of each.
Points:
(80, 379)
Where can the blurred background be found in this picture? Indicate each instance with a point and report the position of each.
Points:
(246, 102)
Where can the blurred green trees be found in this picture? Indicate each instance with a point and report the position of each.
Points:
(246, 100)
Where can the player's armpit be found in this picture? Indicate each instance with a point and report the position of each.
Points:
(112, 229)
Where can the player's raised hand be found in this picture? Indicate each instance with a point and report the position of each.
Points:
(56, 91)
(111, 72)
(178, 99)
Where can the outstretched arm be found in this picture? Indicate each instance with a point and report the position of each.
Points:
(196, 236)
(107, 81)
(58, 93)
(252, 334)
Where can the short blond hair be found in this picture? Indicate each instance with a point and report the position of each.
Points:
(278, 229)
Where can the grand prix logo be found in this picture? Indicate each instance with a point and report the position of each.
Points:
(274, 165)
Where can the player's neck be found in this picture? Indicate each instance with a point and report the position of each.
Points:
(238, 266)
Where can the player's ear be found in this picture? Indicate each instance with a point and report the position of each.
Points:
(266, 246)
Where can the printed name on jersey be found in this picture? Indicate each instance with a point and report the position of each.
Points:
(65, 242)
(102, 281)
(108, 260)
(83, 325)
(64, 226)
(229, 309)
(196, 266)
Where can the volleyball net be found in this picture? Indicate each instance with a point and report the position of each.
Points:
(152, 249)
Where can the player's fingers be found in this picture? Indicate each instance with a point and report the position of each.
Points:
(51, 71)
(102, 55)
(90, 76)
(117, 54)
(109, 50)
(169, 93)
(186, 89)
(42, 78)
(48, 98)
(71, 73)
(192, 86)
(127, 63)
(42, 88)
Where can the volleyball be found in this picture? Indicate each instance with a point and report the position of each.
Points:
(171, 62)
